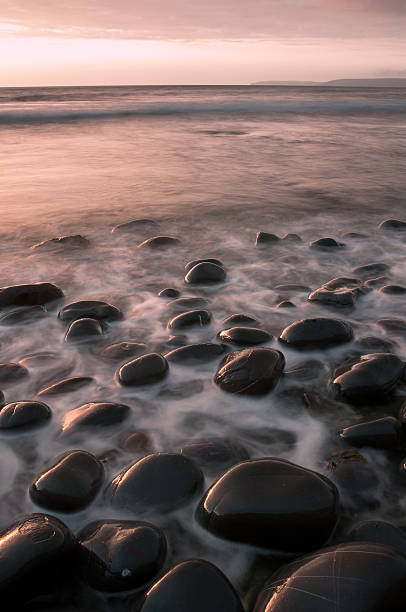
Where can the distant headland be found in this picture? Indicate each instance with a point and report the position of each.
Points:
(380, 82)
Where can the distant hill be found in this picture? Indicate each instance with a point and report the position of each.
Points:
(381, 82)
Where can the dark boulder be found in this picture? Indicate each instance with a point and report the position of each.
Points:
(196, 353)
(379, 433)
(192, 586)
(24, 415)
(84, 330)
(23, 316)
(123, 350)
(271, 503)
(393, 225)
(144, 370)
(168, 292)
(265, 238)
(36, 557)
(70, 484)
(75, 241)
(190, 318)
(94, 309)
(94, 415)
(349, 577)
(253, 371)
(159, 242)
(116, 556)
(371, 270)
(131, 227)
(12, 372)
(244, 336)
(192, 264)
(371, 378)
(216, 455)
(205, 273)
(326, 243)
(36, 294)
(316, 333)
(68, 385)
(160, 482)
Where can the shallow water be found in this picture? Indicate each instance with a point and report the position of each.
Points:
(212, 166)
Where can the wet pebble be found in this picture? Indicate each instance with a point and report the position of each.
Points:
(393, 290)
(123, 350)
(253, 371)
(92, 416)
(84, 330)
(29, 295)
(187, 303)
(137, 442)
(94, 309)
(116, 556)
(196, 353)
(393, 325)
(265, 238)
(205, 273)
(379, 532)
(12, 372)
(160, 482)
(75, 241)
(316, 333)
(370, 270)
(339, 291)
(356, 480)
(159, 242)
(24, 415)
(195, 262)
(169, 292)
(23, 316)
(271, 503)
(190, 318)
(144, 370)
(382, 433)
(245, 336)
(393, 225)
(326, 243)
(239, 318)
(285, 304)
(216, 455)
(134, 226)
(68, 385)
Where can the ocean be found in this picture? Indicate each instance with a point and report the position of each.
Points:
(210, 166)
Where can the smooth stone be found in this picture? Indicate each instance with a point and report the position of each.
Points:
(379, 281)
(190, 318)
(355, 478)
(321, 406)
(253, 371)
(160, 482)
(355, 236)
(371, 344)
(36, 554)
(192, 264)
(94, 415)
(349, 577)
(36, 294)
(393, 225)
(309, 370)
(205, 273)
(133, 226)
(144, 370)
(393, 290)
(40, 360)
(196, 353)
(75, 241)
(12, 372)
(116, 555)
(68, 385)
(83, 330)
(93, 309)
(291, 287)
(266, 238)
(194, 585)
(168, 292)
(244, 336)
(216, 455)
(159, 242)
(70, 484)
(177, 340)
(187, 303)
(292, 238)
(369, 270)
(397, 326)
(239, 318)
(271, 503)
(379, 433)
(371, 378)
(326, 243)
(379, 532)
(285, 304)
(316, 333)
(137, 442)
(24, 315)
(24, 415)
(123, 350)
(339, 291)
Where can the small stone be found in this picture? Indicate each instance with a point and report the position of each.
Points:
(245, 336)
(379, 532)
(205, 273)
(137, 442)
(159, 242)
(264, 238)
(239, 318)
(379, 281)
(355, 478)
(192, 354)
(24, 315)
(393, 225)
(93, 309)
(118, 555)
(339, 291)
(192, 264)
(187, 303)
(316, 333)
(190, 318)
(72, 242)
(94, 415)
(123, 350)
(84, 330)
(380, 433)
(216, 455)
(370, 344)
(285, 304)
(396, 326)
(371, 270)
(70, 484)
(144, 370)
(289, 287)
(393, 290)
(68, 385)
(160, 482)
(326, 243)
(253, 371)
(12, 372)
(169, 293)
(24, 415)
(292, 238)
(131, 227)
(29, 295)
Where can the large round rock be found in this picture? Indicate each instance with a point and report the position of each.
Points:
(192, 586)
(35, 558)
(70, 484)
(205, 273)
(271, 503)
(24, 415)
(144, 370)
(159, 482)
(250, 371)
(316, 333)
(371, 378)
(120, 555)
(350, 577)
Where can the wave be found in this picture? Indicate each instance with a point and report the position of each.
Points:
(51, 114)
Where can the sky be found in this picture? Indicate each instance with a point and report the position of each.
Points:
(141, 42)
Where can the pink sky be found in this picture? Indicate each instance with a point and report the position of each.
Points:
(213, 41)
